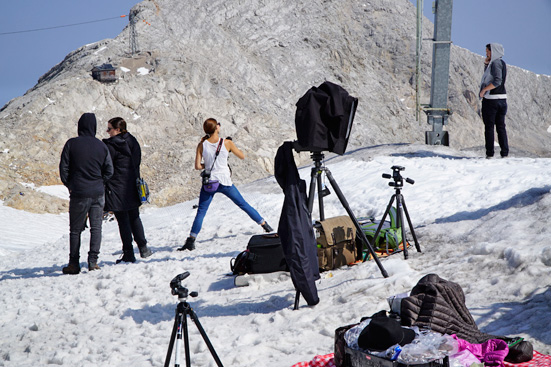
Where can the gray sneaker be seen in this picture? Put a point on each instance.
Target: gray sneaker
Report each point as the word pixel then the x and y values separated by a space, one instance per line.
pixel 145 252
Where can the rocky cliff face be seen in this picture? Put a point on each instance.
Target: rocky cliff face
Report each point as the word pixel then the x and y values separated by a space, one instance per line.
pixel 246 63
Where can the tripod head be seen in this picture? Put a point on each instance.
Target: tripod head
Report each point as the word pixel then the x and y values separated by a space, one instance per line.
pixel 397 177
pixel 178 289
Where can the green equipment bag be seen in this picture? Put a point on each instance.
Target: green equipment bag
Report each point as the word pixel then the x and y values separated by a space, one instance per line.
pixel 336 242
pixel 390 236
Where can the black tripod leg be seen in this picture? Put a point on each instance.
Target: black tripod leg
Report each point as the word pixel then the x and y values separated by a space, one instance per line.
pixel 411 226
pixel 320 198
pixel 205 337
pixel 186 341
pixel 172 338
pixel 312 190
pixel 297 300
pixel 401 224
pixel 344 203
pixel 380 226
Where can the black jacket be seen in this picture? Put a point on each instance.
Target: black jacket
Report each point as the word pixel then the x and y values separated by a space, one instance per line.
pixel 85 162
pixel 121 193
pixel 295 226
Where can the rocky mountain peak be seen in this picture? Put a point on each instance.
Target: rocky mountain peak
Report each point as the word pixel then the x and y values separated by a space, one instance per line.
pixel 247 63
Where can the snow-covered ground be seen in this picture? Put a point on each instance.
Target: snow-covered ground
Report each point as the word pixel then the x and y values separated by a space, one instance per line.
pixel 481 223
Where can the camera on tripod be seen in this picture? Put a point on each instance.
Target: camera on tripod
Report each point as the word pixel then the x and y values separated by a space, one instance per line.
pixel 178 289
pixel 397 177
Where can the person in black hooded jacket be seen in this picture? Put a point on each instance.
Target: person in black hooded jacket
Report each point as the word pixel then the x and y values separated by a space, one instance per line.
pixel 84 167
pixel 121 194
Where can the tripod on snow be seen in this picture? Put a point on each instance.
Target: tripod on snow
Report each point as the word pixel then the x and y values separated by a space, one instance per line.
pixel 316 179
pixel 400 208
pixel 180 324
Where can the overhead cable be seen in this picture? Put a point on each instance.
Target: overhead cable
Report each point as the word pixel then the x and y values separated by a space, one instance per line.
pixel 61 26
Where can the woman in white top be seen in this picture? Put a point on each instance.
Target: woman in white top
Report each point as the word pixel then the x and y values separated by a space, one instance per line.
pixel 220 171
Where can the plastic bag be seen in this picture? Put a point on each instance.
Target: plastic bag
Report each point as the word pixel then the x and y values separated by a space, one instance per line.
pixel 428 346
pixel 352 334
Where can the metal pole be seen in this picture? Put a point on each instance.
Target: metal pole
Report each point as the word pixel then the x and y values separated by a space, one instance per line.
pixel 418 60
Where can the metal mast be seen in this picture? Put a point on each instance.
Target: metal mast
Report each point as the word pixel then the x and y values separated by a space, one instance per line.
pixel 134 48
pixel 437 111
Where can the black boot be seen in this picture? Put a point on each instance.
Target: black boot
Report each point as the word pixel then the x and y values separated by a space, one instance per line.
pixel 189 245
pixel 267 227
pixel 127 258
pixel 72 268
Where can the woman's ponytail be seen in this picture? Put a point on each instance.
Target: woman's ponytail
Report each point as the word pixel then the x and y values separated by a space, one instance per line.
pixel 209 126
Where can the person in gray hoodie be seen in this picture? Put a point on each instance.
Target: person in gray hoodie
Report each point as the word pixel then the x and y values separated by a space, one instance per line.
pixel 84 168
pixel 494 99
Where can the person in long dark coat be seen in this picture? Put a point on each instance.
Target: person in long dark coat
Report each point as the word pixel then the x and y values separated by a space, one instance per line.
pixel 121 194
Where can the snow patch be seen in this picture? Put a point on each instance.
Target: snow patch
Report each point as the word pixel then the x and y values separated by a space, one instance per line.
pixel 143 71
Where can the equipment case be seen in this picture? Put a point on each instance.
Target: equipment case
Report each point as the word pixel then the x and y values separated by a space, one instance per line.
pixel 357 358
pixel 266 254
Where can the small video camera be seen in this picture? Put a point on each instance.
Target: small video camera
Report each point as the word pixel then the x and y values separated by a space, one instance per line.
pixel 205 174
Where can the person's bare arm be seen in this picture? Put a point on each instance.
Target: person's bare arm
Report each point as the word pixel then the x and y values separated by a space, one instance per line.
pixel 199 157
pixel 230 146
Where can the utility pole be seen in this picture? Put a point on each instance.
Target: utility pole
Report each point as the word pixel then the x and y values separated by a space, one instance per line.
pixel 437 111
pixel 133 35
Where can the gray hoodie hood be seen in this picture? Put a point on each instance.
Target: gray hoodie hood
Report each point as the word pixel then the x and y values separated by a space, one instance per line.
pixel 497 53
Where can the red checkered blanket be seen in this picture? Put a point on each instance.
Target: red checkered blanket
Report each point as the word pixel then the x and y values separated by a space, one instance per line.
pixel 539 360
pixel 318 361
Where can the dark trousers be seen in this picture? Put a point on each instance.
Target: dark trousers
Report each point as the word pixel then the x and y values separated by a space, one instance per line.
pixel 493 114
pixel 79 209
pixel 130 228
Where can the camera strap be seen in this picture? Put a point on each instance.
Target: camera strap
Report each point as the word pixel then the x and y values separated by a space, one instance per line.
pixel 217 152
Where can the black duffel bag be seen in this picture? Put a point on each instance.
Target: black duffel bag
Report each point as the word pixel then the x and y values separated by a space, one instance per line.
pixel 264 254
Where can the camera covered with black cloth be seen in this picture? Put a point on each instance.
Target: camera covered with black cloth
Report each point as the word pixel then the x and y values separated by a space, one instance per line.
pixel 323 119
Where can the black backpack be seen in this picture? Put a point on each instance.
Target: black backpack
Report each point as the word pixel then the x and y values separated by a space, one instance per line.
pixel 241 264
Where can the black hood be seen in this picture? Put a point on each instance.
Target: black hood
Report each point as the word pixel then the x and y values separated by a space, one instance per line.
pixel 119 143
pixel 87 125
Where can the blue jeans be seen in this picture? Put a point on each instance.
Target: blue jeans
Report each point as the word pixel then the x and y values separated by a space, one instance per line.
pixel 205 198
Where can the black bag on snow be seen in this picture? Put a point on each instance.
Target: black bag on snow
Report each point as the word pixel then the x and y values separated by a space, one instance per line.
pixel 264 254
pixel 241 265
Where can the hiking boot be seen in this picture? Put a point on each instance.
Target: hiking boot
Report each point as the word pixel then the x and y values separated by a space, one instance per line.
pixel 145 252
pixel 189 245
pixel 71 269
pixel 267 227
pixel 126 258
pixel 93 266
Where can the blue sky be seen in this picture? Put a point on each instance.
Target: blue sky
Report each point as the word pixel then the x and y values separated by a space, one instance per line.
pixel 523 27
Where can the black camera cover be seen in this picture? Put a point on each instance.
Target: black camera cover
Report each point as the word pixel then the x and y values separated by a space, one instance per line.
pixel 324 117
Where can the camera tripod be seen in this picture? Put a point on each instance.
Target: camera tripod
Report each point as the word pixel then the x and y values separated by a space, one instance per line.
pixel 317 170
pixel 401 208
pixel 180 327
